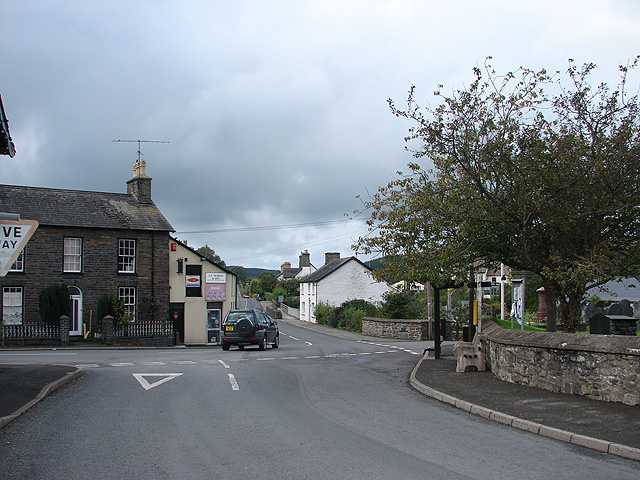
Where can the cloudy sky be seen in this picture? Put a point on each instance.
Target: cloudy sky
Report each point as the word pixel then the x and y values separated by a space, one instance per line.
pixel 275 111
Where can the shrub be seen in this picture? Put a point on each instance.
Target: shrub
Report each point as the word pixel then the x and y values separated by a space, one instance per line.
pixel 399 305
pixel 347 316
pixel 111 305
pixel 53 302
pixel 323 312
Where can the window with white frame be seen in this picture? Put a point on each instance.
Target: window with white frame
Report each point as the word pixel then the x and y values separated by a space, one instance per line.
pixel 126 256
pixel 12 305
pixel 18 265
pixel 128 297
pixel 72 255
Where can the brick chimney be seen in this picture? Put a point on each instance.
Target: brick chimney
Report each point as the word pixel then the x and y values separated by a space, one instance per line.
pixel 284 265
pixel 331 257
pixel 140 185
pixel 305 259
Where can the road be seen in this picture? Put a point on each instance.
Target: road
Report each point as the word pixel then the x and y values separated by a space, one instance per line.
pixel 318 407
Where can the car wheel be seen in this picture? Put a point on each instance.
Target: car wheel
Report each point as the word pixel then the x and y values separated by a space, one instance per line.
pixel 276 344
pixel 263 343
pixel 244 327
pixel 225 346
pixel 240 347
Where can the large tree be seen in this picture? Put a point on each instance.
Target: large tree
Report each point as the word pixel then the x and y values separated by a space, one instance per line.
pixel 538 171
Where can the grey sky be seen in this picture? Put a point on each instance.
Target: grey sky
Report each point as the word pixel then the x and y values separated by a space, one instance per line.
pixel 275 111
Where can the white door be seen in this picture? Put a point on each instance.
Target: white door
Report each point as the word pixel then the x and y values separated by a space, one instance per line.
pixel 75 319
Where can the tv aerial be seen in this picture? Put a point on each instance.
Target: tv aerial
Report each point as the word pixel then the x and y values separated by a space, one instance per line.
pixel 139 142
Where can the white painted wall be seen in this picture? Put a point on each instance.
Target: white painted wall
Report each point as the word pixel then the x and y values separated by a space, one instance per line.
pixel 349 282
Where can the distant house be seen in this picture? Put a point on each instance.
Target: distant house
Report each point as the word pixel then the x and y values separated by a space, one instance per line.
pixel 95 243
pixel 304 268
pixel 202 293
pixel 337 281
pixel 403 285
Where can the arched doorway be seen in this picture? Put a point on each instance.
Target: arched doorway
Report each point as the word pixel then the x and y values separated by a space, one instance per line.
pixel 75 318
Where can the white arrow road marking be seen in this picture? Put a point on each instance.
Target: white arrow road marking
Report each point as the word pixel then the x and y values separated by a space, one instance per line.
pixel 145 383
pixel 308 343
pixel 233 382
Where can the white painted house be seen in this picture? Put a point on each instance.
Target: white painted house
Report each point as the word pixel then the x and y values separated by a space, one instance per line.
pixel 304 268
pixel 339 280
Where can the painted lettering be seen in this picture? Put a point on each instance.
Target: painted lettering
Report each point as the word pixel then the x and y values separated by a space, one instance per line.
pixel 17 231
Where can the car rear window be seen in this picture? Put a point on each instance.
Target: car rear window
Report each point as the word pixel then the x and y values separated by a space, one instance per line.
pixel 233 317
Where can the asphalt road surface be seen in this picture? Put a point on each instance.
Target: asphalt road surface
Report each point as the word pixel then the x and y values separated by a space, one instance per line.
pixel 318 407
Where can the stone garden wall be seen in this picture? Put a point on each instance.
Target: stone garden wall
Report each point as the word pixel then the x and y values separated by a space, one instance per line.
pixel 402 329
pixel 603 367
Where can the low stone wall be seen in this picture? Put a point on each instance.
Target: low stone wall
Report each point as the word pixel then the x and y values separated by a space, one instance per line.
pixel 603 367
pixel 402 329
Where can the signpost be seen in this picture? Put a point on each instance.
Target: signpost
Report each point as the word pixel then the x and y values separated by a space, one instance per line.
pixel 14 235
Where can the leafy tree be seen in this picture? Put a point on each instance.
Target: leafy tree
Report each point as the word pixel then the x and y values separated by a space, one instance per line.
pixel 544 183
pixel 210 254
pixel 268 281
pixel 53 302
pixel 402 305
pixel 240 273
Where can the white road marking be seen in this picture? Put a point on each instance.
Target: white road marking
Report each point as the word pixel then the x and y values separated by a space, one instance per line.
pixel 88 365
pixel 37 354
pixel 225 365
pixel 294 338
pixel 233 382
pixel 288 358
pixel 265 358
pixel 123 364
pixel 148 386
pixel 313 356
pixel 309 343
pixel 148 364
pixel 184 362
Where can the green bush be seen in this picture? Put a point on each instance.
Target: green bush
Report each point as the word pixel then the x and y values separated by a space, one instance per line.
pixel 111 305
pixel 402 305
pixel 347 316
pixel 323 312
pixel 53 302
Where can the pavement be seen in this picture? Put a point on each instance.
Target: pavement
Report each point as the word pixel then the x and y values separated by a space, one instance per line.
pixel 603 426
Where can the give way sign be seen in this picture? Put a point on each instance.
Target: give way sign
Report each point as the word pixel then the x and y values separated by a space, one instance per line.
pixel 14 235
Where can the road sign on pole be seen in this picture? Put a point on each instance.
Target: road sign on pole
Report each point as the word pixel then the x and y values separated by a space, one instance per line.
pixel 14 235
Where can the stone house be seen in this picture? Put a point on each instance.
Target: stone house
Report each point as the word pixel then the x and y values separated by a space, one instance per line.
pixel 201 294
pixel 96 243
pixel 337 281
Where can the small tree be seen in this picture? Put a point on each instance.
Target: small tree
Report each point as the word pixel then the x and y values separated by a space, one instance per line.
pixel 402 305
pixel 53 302
pixel 111 305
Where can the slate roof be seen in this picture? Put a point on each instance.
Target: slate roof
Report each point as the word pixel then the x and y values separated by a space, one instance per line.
pixel 328 269
pixel 77 208
pixel 289 273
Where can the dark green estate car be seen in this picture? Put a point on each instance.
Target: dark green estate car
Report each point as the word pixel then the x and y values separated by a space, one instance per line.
pixel 249 327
